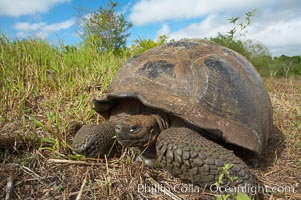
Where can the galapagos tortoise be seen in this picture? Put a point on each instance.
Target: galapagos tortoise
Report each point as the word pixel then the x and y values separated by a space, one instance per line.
pixel 179 104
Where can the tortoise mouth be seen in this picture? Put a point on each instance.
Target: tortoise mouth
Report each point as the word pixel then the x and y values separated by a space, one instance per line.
pixel 134 143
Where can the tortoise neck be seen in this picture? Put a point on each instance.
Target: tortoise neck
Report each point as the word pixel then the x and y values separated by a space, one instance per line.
pixel 162 121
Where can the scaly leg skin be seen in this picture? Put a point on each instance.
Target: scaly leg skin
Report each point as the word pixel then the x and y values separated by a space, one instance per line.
pixel 95 140
pixel 187 155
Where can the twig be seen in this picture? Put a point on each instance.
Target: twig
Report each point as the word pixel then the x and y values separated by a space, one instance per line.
pixel 266 174
pixel 9 187
pixel 82 187
pixel 8 167
pixel 15 142
pixel 40 178
pixel 107 165
pixel 74 162
pixel 295 195
pixel 166 192
pixel 28 171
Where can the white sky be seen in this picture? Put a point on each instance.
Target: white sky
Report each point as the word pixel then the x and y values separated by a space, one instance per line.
pixel 277 23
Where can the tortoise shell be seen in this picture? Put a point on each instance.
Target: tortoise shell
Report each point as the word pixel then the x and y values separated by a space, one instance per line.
pixel 209 86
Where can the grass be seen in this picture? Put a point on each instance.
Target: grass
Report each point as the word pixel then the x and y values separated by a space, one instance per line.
pixel 45 91
pixel 45 87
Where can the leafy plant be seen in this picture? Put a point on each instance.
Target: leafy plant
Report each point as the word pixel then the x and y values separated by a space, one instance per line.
pixel 225 174
pixel 240 26
pixel 105 29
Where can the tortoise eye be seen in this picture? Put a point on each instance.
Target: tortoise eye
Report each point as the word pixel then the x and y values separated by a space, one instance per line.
pixel 134 128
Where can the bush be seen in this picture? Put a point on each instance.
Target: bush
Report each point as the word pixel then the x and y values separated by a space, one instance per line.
pixel 142 45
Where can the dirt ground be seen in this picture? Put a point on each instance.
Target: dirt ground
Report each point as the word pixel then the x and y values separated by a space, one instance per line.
pixel 35 171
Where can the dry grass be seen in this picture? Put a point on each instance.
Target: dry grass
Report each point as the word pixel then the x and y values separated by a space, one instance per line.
pixel 46 170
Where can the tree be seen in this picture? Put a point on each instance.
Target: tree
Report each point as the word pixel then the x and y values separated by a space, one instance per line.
pixel 105 29
pixel 289 64
pixel 236 45
pixel 260 57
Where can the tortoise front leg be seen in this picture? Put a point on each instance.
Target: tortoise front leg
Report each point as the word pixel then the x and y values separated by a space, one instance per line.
pixel 95 140
pixel 187 155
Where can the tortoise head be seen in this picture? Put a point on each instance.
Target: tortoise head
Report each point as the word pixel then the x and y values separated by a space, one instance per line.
pixel 137 131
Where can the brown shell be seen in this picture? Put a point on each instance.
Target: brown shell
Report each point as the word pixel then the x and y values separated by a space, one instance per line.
pixel 206 84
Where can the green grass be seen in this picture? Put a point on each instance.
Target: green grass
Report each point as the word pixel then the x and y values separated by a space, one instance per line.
pixel 45 87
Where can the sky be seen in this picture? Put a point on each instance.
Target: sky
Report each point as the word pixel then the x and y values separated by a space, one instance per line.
pixel 276 24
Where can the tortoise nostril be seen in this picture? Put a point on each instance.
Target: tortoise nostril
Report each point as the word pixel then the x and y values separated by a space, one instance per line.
pixel 118 128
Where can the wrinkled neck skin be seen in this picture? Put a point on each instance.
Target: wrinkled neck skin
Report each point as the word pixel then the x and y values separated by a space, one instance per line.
pixel 162 120
pixel 161 124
